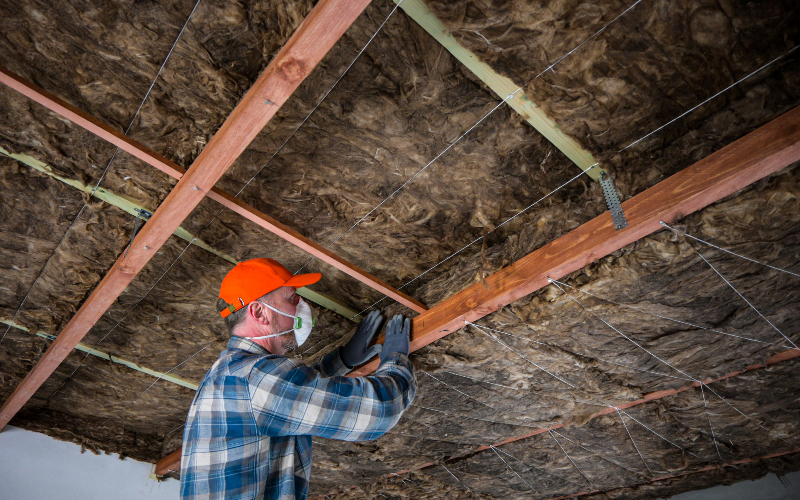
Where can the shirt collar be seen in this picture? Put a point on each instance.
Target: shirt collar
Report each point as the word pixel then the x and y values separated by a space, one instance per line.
pixel 247 345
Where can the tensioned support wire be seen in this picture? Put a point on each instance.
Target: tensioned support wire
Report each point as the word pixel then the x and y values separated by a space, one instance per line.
pixel 476 240
pixel 316 106
pixel 734 84
pixel 420 171
pixel 274 154
pixel 601 402
pixel 697 382
pixel 703 386
pixel 120 322
pixel 105 171
pixel 794 346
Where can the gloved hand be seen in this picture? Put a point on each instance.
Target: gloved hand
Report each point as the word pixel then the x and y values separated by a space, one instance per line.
pixel 355 351
pixel 397 337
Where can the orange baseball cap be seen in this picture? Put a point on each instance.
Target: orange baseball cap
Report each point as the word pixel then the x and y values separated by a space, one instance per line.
pixel 254 278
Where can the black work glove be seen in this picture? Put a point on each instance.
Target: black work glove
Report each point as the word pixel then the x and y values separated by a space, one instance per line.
pixel 355 351
pixel 397 337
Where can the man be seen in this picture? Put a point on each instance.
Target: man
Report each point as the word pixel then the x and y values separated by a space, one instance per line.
pixel 248 433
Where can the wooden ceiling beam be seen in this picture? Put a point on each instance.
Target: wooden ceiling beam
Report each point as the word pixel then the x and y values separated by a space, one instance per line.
pixel 764 151
pixel 88 122
pixel 315 36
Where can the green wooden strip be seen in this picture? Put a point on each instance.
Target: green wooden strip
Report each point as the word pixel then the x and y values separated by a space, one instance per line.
pixel 502 86
pixel 329 303
pixel 130 206
pixel 114 359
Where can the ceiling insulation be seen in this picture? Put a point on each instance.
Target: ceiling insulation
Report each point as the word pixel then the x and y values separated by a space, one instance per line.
pixel 404 101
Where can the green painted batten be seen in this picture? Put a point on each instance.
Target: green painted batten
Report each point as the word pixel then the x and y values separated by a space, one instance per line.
pixel 113 359
pixel 503 87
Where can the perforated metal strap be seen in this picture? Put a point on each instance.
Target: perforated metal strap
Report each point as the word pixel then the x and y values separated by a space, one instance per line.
pixel 612 200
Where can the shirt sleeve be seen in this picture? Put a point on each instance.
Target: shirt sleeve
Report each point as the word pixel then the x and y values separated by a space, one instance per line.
pixel 331 365
pixel 302 401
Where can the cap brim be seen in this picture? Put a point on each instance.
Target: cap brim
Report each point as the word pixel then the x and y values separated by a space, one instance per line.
pixel 302 280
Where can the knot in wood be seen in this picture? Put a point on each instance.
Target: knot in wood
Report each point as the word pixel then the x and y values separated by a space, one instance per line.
pixel 292 69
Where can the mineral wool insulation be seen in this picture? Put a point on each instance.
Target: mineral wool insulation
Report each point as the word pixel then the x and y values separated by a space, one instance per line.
pixel 403 102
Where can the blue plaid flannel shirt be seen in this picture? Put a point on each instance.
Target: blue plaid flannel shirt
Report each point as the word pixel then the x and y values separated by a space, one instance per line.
pixel 248 433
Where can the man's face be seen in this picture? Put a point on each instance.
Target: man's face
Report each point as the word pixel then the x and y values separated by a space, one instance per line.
pixel 285 299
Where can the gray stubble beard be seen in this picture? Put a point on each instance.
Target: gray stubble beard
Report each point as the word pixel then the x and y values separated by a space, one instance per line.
pixel 289 342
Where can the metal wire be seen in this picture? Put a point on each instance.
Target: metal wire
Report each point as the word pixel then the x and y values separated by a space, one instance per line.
pixel 710 98
pixel 622 334
pixel 526 391
pixel 619 412
pixel 117 324
pixel 708 416
pixel 666 317
pixel 570 459
pixel 512 470
pixel 600 455
pixel 323 98
pixel 479 238
pixel 602 360
pixel 537 468
pixel 134 400
pixel 794 346
pixel 454 477
pixel 733 253
pixel 460 392
pixel 701 383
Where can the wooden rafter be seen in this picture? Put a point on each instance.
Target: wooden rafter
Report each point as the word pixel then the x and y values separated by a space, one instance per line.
pixel 315 36
pixel 756 155
pixel 88 122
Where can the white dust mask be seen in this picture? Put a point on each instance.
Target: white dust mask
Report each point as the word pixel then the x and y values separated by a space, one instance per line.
pixel 303 322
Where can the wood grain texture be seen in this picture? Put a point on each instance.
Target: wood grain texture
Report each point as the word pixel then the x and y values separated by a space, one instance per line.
pixel 754 156
pixel 314 37
pixel 172 169
pixel 170 463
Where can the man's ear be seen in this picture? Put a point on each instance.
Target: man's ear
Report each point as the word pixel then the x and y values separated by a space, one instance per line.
pixel 258 312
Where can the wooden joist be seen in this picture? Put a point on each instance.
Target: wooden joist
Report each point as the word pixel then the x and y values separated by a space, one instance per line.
pixel 315 36
pixel 766 150
pixel 174 170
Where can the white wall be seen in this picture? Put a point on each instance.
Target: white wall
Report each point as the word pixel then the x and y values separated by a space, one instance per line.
pixel 35 467
pixel 768 487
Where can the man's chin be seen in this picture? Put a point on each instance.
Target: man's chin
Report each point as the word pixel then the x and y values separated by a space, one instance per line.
pixel 289 345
